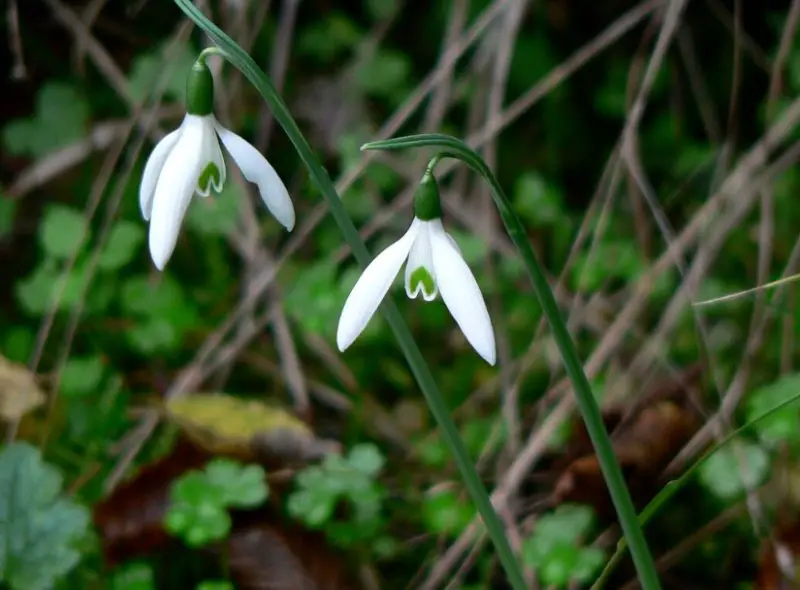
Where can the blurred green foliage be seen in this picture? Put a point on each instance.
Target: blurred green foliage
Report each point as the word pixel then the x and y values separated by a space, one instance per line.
pixel 133 576
pixel 61 118
pixel 351 479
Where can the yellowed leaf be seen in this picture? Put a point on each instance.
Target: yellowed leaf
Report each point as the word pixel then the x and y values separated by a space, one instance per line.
pixel 227 425
pixel 19 390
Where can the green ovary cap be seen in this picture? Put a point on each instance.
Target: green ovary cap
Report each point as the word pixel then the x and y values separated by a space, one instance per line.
pixel 200 90
pixel 427 205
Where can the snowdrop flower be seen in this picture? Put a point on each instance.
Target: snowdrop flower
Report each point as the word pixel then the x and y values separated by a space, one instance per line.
pixel 190 160
pixel 433 265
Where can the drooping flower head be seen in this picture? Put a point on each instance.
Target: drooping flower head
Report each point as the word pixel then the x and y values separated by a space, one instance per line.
pixel 434 266
pixel 190 160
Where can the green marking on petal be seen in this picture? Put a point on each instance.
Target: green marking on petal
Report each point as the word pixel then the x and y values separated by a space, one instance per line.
pixel 210 176
pixel 421 277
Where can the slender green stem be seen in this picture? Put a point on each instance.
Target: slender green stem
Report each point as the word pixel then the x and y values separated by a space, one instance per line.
pixel 209 51
pixel 454 148
pixel 239 58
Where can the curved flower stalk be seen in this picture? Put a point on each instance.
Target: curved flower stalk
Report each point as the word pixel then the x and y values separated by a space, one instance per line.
pixel 434 266
pixel 450 147
pixel 190 160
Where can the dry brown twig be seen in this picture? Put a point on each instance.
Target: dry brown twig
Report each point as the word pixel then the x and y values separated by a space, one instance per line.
pixel 18 70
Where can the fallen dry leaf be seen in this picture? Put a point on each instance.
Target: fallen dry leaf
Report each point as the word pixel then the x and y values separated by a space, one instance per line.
pixel 19 391
pixel 249 430
pixel 645 440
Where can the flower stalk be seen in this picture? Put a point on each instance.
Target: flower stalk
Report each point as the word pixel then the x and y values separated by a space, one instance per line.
pixel 451 147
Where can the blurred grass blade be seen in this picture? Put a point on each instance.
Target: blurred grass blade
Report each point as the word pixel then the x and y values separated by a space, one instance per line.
pixel 451 147
pixel 239 58
pixel 738 294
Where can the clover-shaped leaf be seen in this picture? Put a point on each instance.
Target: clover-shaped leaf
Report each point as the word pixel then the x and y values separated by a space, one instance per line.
pixel 162 312
pixel 319 488
pixel 60 118
pixel 38 527
pixel 366 458
pixel 780 425
pixel 62 231
pixel 313 506
pixel 153 335
pixel 143 297
pixel 123 241
pixel 732 470
pixel 314 300
pixel 566 563
pixel 317 494
pixel 198 511
pixel 444 512
pixel 554 549
pixel 81 376
pixel 48 286
pixel 590 561
pixel 134 576
pixel 242 486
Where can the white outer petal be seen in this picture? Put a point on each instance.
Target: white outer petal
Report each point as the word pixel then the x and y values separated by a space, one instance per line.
pixel 210 152
pixel 152 169
pixel 371 288
pixel 174 190
pixel 461 294
pixel 256 169
pixel 420 255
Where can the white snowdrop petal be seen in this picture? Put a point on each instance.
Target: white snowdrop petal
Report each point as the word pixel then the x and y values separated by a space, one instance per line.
pixel 256 169
pixel 371 288
pixel 152 169
pixel 173 193
pixel 455 244
pixel 210 153
pixel 461 294
pixel 420 258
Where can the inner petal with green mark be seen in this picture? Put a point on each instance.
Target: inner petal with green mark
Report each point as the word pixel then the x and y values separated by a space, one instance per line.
pixel 210 176
pixel 421 278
